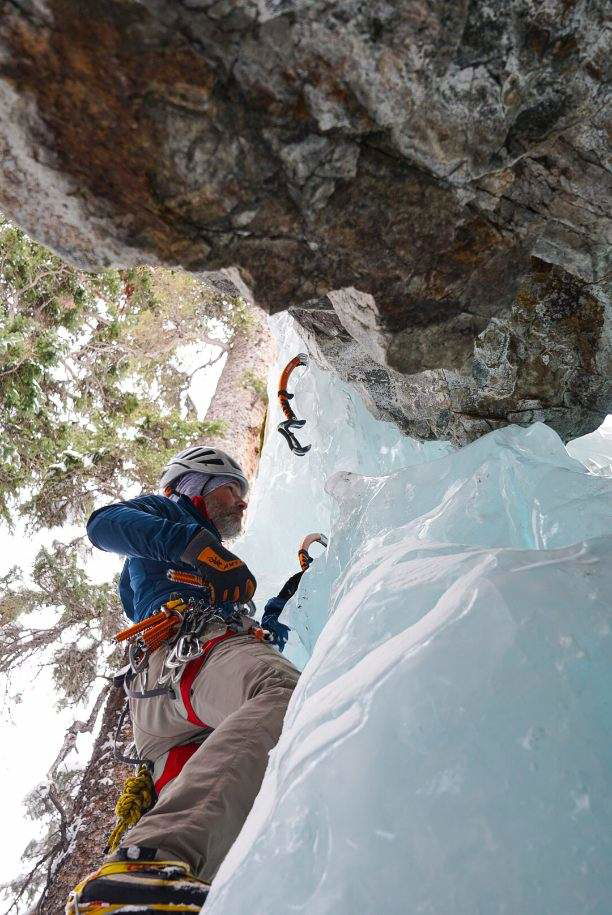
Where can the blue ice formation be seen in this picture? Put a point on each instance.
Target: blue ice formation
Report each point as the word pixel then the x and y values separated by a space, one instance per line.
pixel 448 750
pixel 595 450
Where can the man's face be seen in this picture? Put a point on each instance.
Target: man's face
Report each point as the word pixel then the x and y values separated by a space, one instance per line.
pixel 225 506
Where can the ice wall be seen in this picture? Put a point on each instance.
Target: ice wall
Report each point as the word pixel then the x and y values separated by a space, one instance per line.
pixel 289 500
pixel 595 450
pixel 448 749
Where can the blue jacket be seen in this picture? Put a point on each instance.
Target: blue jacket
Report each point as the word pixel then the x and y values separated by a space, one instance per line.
pixel 152 532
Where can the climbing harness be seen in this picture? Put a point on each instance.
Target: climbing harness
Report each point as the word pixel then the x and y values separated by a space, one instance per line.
pixel 137 796
pixel 292 422
pixel 187 645
pixel 180 625
pixel 304 557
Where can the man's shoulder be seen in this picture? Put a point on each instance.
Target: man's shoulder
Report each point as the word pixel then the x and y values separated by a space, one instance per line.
pixel 176 510
pixel 161 506
pixel 150 503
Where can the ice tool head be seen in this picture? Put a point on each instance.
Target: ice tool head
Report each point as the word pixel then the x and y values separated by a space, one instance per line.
pixel 291 422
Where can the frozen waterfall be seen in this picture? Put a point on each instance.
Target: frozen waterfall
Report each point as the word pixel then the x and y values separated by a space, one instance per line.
pixel 449 747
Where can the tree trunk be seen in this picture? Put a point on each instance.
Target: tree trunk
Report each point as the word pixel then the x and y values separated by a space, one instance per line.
pixel 240 397
pixel 94 812
pixel 240 401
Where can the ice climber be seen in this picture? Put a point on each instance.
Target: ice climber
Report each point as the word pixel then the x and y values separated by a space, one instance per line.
pixel 207 733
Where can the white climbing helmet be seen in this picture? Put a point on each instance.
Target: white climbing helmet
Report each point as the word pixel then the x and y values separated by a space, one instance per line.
pixel 202 459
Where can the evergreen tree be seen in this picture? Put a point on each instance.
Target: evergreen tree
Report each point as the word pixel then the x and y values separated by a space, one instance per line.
pixel 93 401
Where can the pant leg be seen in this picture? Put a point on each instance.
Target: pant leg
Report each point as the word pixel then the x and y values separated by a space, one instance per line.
pixel 159 723
pixel 242 691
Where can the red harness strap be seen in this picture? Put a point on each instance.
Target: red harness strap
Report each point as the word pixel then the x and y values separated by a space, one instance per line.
pixel 177 757
pixel 192 669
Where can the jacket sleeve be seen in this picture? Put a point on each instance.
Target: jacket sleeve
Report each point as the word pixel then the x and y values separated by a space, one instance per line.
pixel 133 529
pixel 274 607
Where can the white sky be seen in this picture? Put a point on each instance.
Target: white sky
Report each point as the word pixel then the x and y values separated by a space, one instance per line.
pixel 31 732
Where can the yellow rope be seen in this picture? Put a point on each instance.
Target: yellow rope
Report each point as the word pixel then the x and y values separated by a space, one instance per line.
pixel 136 798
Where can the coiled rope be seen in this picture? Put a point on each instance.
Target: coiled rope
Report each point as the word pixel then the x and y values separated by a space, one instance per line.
pixel 137 796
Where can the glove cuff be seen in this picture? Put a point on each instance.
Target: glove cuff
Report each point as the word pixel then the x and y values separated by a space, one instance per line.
pixel 202 541
pixel 289 588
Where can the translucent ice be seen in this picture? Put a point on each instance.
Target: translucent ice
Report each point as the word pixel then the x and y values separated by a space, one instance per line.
pixel 288 499
pixel 449 746
pixel 595 450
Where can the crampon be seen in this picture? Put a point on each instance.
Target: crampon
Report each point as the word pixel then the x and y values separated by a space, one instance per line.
pixel 138 888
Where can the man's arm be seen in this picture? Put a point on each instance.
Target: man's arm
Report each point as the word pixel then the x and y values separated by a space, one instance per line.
pixel 139 528
pixel 130 528
pixel 275 607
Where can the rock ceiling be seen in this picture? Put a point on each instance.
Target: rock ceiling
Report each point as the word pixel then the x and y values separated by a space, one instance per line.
pixel 424 183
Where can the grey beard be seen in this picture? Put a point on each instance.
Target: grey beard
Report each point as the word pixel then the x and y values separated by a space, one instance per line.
pixel 229 526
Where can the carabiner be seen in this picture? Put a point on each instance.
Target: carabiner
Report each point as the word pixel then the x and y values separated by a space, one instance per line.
pixel 138 664
pixel 188 648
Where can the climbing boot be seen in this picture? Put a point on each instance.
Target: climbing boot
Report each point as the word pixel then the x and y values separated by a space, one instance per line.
pixel 138 888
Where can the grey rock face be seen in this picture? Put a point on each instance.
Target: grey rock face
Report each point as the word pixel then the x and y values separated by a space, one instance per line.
pixel 549 359
pixel 418 153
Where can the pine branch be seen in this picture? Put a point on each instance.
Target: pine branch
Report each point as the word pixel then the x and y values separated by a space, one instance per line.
pixel 206 365
pixel 26 882
pixel 79 727
pixel 18 646
pixel 53 795
pixel 63 825
pixel 213 341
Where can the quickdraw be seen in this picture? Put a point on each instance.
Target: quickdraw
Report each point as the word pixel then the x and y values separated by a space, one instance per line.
pixel 156 629
pixel 179 625
pixel 304 556
pixel 292 422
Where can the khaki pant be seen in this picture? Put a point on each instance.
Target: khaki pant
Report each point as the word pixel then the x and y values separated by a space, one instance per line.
pixel 236 704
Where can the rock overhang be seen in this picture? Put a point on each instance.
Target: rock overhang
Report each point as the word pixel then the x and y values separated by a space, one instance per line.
pixel 445 161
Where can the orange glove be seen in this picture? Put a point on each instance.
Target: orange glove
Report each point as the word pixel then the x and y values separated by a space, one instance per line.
pixel 227 576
